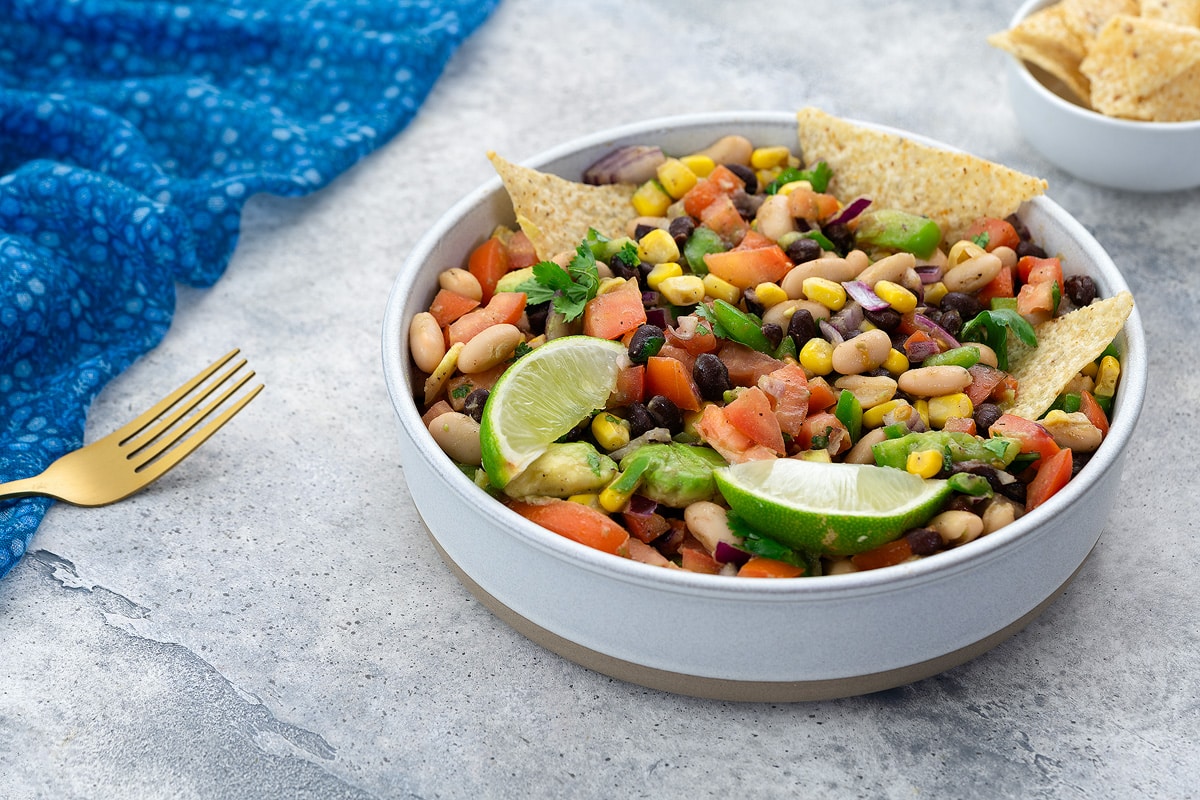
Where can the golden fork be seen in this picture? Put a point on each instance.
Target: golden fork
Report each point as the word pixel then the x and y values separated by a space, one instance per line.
pixel 123 462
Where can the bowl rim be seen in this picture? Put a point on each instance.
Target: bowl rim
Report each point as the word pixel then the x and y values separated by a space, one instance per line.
pixel 896 578
pixel 1025 76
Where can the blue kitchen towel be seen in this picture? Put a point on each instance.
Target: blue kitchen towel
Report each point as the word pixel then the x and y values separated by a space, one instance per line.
pixel 131 135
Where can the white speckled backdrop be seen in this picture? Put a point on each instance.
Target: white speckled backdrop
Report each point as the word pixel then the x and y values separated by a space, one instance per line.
pixel 270 619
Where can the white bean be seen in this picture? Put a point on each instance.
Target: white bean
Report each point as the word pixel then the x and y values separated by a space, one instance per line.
pixel 1000 511
pixel 773 218
pixel 458 436
pixel 458 280
pixel 956 526
pixel 731 149
pixel 863 353
pixel 709 523
pixel 935 381
pixel 489 347
pixel 871 390
pixel 837 270
pixel 889 268
pixel 972 274
pixel 426 342
pixel 862 453
pixel 781 313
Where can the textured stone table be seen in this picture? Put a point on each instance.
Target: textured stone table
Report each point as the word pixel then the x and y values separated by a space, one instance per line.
pixel 271 620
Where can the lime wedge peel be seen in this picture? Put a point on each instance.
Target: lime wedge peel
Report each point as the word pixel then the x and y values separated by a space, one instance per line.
pixel 543 396
pixel 829 509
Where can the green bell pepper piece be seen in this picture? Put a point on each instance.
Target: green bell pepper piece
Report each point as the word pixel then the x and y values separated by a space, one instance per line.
pixel 893 229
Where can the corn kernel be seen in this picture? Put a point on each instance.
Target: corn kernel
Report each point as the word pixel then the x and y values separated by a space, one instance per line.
pixel 612 500
pixel 1090 370
pixel 651 199
pixel 934 293
pixel 792 186
pixel 657 246
pixel 962 250
pixel 873 417
pixel 608 284
pixel 1106 377
pixel 922 409
pixel 769 157
pixel 815 455
pixel 720 289
pixel 816 356
pixel 610 431
pixel 949 405
pixel 702 166
pixel 824 291
pixel 769 294
pixel 896 296
pixel 682 290
pixel 925 463
pixel 591 500
pixel 896 362
pixel 675 177
pixel 661 272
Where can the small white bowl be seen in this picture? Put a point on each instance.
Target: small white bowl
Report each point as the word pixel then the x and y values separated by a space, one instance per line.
pixel 1107 151
pixel 743 638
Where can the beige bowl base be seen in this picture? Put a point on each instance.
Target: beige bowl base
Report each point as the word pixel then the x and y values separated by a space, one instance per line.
pixel 735 690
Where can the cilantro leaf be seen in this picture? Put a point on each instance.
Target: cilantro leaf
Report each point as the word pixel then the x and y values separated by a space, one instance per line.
pixel 983 238
pixel 756 544
pixel 568 290
pixel 992 327
pixel 705 312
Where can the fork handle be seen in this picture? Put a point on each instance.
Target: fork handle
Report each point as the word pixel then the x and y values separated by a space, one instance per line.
pixel 25 487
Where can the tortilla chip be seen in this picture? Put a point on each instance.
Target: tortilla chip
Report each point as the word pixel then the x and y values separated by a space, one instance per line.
pixel 1065 345
pixel 556 213
pixel 951 188
pixel 1046 40
pixel 1133 60
pixel 1179 12
pixel 1087 17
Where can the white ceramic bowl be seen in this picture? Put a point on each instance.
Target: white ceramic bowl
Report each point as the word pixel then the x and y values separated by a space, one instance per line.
pixel 1117 153
pixel 743 638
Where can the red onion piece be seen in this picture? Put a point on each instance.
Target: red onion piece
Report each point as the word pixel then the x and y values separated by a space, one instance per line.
pixel 641 505
pixel 657 316
pixel 726 553
pixel 635 163
pixel 865 296
pixel 685 327
pixel 852 210
pixel 830 333
pixel 916 352
pixel 929 274
pixel 936 331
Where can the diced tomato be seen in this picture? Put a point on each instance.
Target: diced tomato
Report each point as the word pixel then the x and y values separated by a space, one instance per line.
pixel 1036 298
pixel 646 527
pixel 959 425
pixel 435 411
pixel 1003 285
pixel 1053 473
pixel 671 379
pixel 999 233
pixel 827 426
pixel 684 357
pixel 984 380
pixel 721 181
pixel 1033 437
pixel 520 251
pixel 749 265
pixel 751 413
pixel 640 551
pixel 631 386
pixel 810 205
pixel 1093 411
pixel 458 387
pixel 489 263
pixel 746 365
pixel 886 555
pixel 733 445
pixel 503 307
pixel 762 567
pixel 614 313
pixel 448 306
pixel 788 389
pixel 702 340
pixel 722 216
pixel 1032 269
pixel 820 394
pixel 578 522
pixel 694 558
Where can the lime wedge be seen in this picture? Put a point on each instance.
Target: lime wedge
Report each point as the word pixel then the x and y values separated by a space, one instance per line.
pixel 829 509
pixel 542 396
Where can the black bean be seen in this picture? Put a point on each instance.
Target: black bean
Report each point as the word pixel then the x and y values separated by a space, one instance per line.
pixel 579 432
pixel 746 204
pixel 841 237
pixel 802 250
pixel 680 229
pixel 952 321
pixel 474 403
pixel 802 327
pixel 1018 226
pixel 640 420
pixel 711 376
pixel 774 333
pixel 641 230
pixel 985 415
pixel 536 313
pixel 665 413
pixel 747 175
pixel 1078 462
pixel 1014 491
pixel 1030 249
pixel 1081 289
pixel 646 341
pixel 923 541
pixel 885 318
pixel 966 305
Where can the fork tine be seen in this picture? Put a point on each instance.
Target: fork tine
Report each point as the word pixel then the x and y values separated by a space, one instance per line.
pixel 152 468
pixel 162 437
pixel 132 428
pixel 183 406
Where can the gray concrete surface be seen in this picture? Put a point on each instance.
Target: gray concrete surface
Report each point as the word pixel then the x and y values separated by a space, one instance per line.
pixel 270 620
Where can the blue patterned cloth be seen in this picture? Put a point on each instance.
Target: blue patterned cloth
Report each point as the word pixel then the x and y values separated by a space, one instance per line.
pixel 131 135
